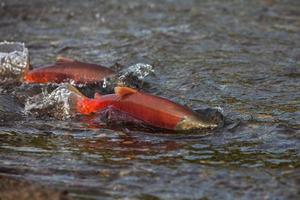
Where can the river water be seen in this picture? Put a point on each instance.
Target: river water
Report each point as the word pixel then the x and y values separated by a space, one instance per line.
pixel 242 57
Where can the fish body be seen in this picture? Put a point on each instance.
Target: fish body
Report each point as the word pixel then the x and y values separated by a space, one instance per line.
pixel 153 110
pixel 68 70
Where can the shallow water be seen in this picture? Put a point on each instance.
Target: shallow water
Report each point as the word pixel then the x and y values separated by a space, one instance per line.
pixel 240 56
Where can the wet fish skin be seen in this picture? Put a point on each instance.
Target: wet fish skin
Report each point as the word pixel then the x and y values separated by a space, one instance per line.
pixel 153 110
pixel 68 70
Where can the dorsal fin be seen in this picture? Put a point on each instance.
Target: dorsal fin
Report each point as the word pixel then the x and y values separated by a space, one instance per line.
pixel 62 59
pixel 97 95
pixel 124 91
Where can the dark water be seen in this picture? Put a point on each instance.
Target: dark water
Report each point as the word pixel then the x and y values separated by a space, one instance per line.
pixel 240 56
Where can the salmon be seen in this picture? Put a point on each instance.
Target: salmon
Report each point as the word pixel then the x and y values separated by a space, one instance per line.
pixel 152 110
pixel 68 70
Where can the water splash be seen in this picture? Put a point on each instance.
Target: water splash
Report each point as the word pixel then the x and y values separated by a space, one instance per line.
pixel 14 60
pixel 54 104
pixel 132 76
pixel 57 102
pixel 139 70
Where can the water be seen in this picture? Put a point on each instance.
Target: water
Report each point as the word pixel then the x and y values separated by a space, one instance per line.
pixel 240 56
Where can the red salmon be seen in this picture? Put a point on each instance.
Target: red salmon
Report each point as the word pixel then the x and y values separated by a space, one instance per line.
pixel 68 70
pixel 153 110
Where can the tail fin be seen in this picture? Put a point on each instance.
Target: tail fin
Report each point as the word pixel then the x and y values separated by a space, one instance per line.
pixel 74 90
pixel 25 75
pixel 79 103
pixel 27 68
pixel 76 99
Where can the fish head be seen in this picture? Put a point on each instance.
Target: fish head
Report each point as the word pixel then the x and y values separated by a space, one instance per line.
pixel 201 119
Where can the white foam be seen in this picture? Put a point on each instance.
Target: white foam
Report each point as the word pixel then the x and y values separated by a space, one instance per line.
pixel 58 100
pixel 14 59
pixel 140 70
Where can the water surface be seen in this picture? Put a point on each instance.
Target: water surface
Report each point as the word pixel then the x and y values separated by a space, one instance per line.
pixel 240 56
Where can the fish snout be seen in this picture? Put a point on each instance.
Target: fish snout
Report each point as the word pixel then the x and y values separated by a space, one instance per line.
pixel 195 122
pixel 191 122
